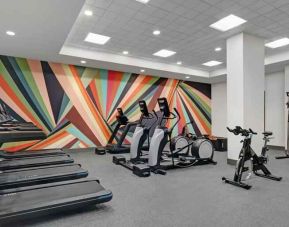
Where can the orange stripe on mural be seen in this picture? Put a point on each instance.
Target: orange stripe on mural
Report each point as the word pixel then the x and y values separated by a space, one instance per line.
pixel 17 101
pixel 89 103
pixel 19 147
pixel 50 140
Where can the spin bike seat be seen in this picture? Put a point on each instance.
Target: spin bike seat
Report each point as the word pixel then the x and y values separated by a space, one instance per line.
pixel 267 133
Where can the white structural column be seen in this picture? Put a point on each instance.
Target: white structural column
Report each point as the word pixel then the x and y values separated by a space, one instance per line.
pixel 286 89
pixel 245 89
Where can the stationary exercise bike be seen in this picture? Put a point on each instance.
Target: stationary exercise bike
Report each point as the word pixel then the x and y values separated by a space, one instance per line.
pixel 286 150
pixel 247 154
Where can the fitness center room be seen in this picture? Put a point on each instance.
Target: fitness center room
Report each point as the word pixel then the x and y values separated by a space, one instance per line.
pixel 144 113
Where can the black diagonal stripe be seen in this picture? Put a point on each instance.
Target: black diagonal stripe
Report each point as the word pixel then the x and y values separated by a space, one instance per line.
pixel 13 75
pixel 54 89
pixel 198 105
pixel 192 120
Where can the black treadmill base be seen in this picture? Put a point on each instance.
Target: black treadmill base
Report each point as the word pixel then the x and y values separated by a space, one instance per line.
pixel 19 163
pixel 38 200
pixel 34 153
pixel 55 210
pixel 33 176
pixel 118 150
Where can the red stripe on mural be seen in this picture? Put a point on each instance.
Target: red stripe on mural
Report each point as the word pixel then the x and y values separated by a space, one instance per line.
pixel 114 79
pixel 156 95
pixel 75 118
pixel 71 143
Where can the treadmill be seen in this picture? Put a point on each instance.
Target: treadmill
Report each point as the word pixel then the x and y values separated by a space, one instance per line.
pixel 41 175
pixel 26 162
pixel 18 163
pixel 6 132
pixel 122 120
pixel 32 153
pixel 7 120
pixel 31 201
pixel 121 148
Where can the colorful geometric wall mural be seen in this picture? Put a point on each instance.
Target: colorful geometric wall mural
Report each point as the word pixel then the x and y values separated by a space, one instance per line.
pixel 76 106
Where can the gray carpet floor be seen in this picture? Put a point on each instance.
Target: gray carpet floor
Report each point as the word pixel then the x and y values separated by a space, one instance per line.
pixel 193 196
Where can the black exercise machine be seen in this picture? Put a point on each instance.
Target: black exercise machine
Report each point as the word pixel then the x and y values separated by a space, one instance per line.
pixel 40 175
pixel 32 153
pixel 140 136
pixel 286 149
pixel 190 154
pixel 7 122
pixel 38 191
pixel 247 154
pixel 28 161
pixel 122 120
pixel 31 201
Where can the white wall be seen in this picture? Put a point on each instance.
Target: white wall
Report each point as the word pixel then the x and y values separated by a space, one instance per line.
pixel 274 105
pixel 219 109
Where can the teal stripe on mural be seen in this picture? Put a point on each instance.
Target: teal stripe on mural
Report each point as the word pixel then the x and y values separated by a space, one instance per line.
pixel 78 134
pixel 63 109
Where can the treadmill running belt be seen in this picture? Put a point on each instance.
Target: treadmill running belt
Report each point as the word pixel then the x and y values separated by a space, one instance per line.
pixel 55 197
pixel 15 136
pixel 34 162
pixel 32 176
pixel 32 153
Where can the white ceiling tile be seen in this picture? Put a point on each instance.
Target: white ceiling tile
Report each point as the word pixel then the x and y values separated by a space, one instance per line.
pixel 184 26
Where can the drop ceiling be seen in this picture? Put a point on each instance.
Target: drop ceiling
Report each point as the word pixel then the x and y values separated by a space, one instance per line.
pixel 55 30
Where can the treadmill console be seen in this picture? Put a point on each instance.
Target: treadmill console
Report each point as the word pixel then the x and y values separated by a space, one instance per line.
pixel 164 106
pixel 119 111
pixel 143 108
pixel 121 118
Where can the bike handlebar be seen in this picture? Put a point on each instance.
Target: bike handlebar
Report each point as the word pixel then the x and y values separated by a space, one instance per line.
pixel 244 132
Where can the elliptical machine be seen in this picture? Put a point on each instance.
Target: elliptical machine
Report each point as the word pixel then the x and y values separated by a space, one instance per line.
pixel 122 120
pixel 140 136
pixel 185 156
pixel 247 154
pixel 286 150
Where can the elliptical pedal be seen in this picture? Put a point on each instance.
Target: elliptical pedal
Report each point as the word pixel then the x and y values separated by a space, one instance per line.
pixel 235 183
pixel 141 170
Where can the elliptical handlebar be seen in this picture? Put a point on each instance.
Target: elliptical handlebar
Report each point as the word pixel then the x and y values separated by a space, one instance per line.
pixel 177 115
